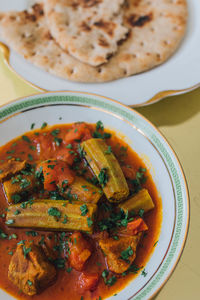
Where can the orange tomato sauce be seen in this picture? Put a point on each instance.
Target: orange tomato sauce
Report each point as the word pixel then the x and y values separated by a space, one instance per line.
pixel 65 287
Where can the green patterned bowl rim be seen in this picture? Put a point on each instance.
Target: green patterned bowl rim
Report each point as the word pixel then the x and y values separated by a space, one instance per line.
pixel 160 143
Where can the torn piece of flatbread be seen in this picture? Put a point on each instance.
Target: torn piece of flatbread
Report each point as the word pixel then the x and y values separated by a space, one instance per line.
pixel 157 28
pixel 89 30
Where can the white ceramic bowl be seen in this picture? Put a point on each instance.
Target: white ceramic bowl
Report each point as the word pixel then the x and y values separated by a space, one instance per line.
pixel 146 140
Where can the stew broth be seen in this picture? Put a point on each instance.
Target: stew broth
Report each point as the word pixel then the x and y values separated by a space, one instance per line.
pixel 41 146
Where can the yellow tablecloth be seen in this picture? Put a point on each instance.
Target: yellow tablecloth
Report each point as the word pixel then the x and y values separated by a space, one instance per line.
pixel 178 118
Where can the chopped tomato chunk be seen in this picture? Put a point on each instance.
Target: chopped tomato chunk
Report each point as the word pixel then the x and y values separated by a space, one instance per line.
pixel 88 282
pixel 44 145
pixel 56 173
pixel 136 226
pixel 80 251
pixel 79 131
pixel 66 154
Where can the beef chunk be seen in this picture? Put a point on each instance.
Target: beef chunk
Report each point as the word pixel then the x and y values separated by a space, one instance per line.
pixel 10 168
pixel 120 253
pixel 30 270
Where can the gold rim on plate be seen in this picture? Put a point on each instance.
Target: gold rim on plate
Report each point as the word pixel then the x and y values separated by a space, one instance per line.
pixel 157 97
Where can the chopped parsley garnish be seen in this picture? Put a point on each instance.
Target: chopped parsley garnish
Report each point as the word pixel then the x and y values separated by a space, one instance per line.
pixel 10 253
pixel 44 125
pixel 31 233
pixel 12 236
pixel 26 139
pixel 29 282
pixel 89 221
pixel 139 180
pixel 26 251
pixel 54 212
pixel 32 147
pixel 3 235
pixel 109 150
pixel 69 146
pixel 103 177
pixel 16 198
pixel 10 152
pixel 114 220
pixel 141 212
pixel 108 281
pixel 57 141
pixel 55 132
pixel 81 151
pixel 155 243
pixel 84 210
pixel 59 263
pixel 32 125
pixel 126 254
pixel 9 222
pixel 99 125
pixel 65 219
pixel 30 157
pixel 99 135
pixel 17 212
pixel 51 166
pixel 41 242
pixel 144 273
pixel 69 270
pixel 111 281
pixel 24 183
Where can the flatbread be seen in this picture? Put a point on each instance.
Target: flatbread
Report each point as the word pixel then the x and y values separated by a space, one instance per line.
pixel 156 30
pixel 89 30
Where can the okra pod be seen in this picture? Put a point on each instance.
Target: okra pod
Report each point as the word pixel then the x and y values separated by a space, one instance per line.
pixel 107 169
pixel 141 200
pixel 83 190
pixel 58 215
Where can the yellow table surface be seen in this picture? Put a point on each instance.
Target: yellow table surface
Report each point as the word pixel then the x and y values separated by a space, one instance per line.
pixel 178 118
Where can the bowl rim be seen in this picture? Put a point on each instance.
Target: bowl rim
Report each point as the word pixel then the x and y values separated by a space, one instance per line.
pixel 187 217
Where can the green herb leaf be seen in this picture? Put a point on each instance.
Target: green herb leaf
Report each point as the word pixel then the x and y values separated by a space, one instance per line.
pixel 89 221
pixel 29 282
pixel 54 212
pixel 57 141
pixel 126 254
pixel 65 219
pixel 44 125
pixel 84 210
pixel 103 177
pixel 26 139
pixel 109 151
pixel 55 132
pixel 141 213
pixel 99 125
pixel 26 251
pixel 144 273
pixel 9 222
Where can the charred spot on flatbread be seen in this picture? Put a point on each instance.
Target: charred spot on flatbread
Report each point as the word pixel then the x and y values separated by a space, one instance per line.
pixel 97 24
pixel 103 43
pixel 139 21
pixel 85 27
pixel 108 27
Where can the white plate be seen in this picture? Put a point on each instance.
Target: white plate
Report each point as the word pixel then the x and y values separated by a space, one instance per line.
pixel 179 74
pixel 146 140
